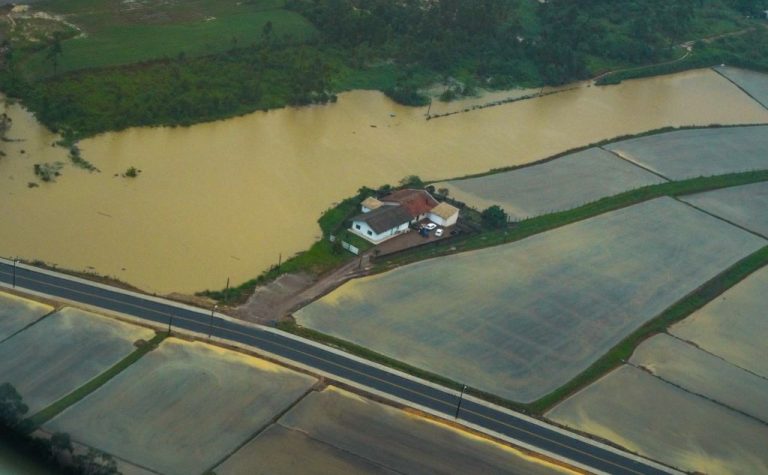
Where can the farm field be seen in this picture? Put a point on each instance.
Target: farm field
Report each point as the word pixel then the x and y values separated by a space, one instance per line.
pixel 196 402
pixel 698 152
pixel 116 32
pixel 702 373
pixel 334 431
pixel 57 355
pixel 743 205
pixel 557 185
pixel 642 413
pixel 734 326
pixel 16 313
pixel 520 320
pixel 754 83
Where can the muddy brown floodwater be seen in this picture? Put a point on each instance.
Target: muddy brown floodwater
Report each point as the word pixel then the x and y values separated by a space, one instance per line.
pixel 225 199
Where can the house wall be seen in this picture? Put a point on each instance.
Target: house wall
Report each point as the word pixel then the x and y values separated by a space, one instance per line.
pixel 362 229
pixel 444 222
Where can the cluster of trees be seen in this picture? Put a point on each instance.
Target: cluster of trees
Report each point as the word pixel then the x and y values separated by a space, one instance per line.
pixel 178 91
pixel 57 451
pixel 482 43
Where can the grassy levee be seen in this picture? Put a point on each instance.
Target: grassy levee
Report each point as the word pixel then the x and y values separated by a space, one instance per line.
pixel 677 312
pixel 57 407
pixel 539 224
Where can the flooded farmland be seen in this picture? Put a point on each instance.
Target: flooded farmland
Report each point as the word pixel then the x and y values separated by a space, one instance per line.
pixel 226 199
pixel 672 426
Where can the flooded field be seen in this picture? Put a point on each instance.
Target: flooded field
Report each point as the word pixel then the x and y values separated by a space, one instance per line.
pixel 733 326
pixel 225 199
pixel 334 431
pixel 702 373
pixel 745 205
pixel 561 184
pixel 644 414
pixel 755 84
pixel 520 320
pixel 182 407
pixel 62 352
pixel 16 313
pixel 703 152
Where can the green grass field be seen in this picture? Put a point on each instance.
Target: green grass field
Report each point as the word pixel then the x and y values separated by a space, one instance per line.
pixel 115 34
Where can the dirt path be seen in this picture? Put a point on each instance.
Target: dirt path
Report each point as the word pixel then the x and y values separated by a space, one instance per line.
pixel 288 293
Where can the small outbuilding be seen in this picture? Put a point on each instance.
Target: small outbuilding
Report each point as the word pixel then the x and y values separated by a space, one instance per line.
pixel 444 215
pixel 369 204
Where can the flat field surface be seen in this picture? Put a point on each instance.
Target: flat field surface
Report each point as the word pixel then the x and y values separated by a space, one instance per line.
pixel 16 313
pixel 702 373
pixel 334 431
pixel 558 185
pixel 745 205
pixel 756 84
pixel 734 326
pixel 520 320
pixel 182 407
pixel 62 352
pixel 646 415
pixel 118 32
pixel 699 152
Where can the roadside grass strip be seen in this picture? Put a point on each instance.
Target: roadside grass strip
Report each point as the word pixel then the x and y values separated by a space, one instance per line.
pixel 677 312
pixel 75 396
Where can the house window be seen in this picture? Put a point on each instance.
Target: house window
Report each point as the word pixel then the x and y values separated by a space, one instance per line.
pixel 357 226
pixel 369 233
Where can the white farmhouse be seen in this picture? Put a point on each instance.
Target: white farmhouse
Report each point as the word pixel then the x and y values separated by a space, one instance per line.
pixel 382 223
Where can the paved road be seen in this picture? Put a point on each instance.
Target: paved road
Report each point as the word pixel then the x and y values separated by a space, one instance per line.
pixel 326 360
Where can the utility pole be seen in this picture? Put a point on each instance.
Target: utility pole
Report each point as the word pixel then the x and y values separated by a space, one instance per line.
pixel 226 292
pixel 210 329
pixel 461 397
pixel 15 261
pixel 170 322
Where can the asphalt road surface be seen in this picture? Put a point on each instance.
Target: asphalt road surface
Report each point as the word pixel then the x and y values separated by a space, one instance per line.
pixel 392 383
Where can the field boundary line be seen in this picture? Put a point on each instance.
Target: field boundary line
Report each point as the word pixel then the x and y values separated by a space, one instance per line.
pixel 269 423
pixel 709 213
pixel 696 345
pixel 715 69
pixel 89 387
pixel 635 163
pixel 694 393
pixel 37 320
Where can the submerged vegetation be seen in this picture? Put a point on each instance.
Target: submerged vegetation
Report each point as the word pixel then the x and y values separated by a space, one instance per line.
pixel 108 67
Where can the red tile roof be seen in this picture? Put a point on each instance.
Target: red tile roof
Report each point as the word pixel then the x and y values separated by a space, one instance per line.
pixel 416 202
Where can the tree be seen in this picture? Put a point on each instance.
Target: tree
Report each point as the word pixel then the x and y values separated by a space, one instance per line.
pixel 60 443
pixel 55 51
pixel 95 462
pixel 12 408
pixel 494 217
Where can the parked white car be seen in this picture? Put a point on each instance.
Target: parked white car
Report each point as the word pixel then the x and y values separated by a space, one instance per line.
pixel 439 232
pixel 431 226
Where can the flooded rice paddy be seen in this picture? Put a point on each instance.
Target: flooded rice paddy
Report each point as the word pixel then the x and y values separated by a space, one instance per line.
pixel 16 313
pixel 753 83
pixel 521 319
pixel 734 326
pixel 228 198
pixel 60 353
pixel 334 431
pixel 557 185
pixel 182 407
pixel 705 374
pixel 701 152
pixel 642 413
pixel 746 206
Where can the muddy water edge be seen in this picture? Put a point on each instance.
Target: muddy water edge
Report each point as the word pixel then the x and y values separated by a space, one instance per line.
pixel 225 199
